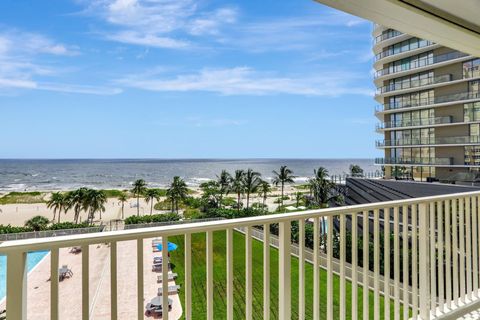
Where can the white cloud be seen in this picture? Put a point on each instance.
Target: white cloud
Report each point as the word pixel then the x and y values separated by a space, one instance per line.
pixel 21 43
pixel 247 81
pixel 21 66
pixel 297 33
pixel 149 40
pixel 83 89
pixel 159 23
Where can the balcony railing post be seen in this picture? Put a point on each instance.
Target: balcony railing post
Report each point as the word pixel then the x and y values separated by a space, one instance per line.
pixel 423 264
pixel 17 286
pixel 284 297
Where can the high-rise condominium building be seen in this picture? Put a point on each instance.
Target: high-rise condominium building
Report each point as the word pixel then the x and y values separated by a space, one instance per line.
pixel 429 108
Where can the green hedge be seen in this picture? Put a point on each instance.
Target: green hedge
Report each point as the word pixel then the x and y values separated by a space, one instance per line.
pixel 4 229
pixel 233 213
pixel 153 218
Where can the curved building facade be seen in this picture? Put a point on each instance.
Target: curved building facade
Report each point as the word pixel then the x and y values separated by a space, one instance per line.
pixel 428 106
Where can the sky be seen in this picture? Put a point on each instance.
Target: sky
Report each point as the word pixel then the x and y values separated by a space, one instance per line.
pixel 184 79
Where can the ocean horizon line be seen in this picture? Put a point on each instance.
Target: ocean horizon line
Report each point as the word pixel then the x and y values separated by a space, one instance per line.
pixel 197 158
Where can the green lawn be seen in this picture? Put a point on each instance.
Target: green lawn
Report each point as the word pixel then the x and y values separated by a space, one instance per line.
pixel 199 277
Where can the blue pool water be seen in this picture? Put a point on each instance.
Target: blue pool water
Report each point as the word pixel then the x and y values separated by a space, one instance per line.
pixel 33 258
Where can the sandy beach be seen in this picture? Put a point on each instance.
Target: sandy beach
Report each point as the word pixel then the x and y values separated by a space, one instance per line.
pixel 17 214
pixel 70 289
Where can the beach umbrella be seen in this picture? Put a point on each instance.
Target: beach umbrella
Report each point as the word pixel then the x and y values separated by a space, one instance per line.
pixel 170 247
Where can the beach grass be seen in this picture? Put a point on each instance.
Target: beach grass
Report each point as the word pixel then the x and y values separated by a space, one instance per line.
pixel 23 197
pixel 199 303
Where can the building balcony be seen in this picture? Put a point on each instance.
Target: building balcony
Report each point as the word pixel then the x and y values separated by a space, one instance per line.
pixel 435 141
pixel 415 123
pixel 415 161
pixel 419 249
pixel 386 36
pixel 428 102
pixel 414 84
pixel 420 63
pixel 391 52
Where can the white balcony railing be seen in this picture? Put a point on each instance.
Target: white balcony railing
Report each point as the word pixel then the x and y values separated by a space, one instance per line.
pixel 425 261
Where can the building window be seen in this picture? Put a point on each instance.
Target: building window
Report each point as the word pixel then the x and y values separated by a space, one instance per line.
pixel 471 112
pixel 474 86
pixel 471 68
pixel 472 155
pixel 412 99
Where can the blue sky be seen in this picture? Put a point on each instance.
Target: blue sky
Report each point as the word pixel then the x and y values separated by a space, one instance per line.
pixel 184 79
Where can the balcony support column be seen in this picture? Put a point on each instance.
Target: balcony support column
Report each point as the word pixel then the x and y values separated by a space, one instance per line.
pixel 17 285
pixel 423 265
pixel 284 296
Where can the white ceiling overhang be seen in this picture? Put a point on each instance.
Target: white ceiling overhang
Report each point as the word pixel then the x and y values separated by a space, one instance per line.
pixel 452 23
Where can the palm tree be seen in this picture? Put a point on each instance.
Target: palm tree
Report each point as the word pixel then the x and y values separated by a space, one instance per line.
pixel 177 191
pixel 139 188
pixel 224 180
pixel 356 171
pixel 264 189
pixel 238 185
pixel 58 203
pixel 251 181
pixel 285 175
pixel 150 196
pixel 298 197
pixel 95 201
pixel 122 199
pixel 76 200
pixel 321 187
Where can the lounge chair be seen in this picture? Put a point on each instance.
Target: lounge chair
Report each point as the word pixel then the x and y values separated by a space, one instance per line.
pixel 171 276
pixel 157 267
pixel 76 250
pixel 171 289
pixel 64 272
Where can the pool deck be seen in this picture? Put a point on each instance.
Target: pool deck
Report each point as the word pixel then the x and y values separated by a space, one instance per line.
pixel 70 289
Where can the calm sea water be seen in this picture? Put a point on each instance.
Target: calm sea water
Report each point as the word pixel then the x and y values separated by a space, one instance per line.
pixel 21 175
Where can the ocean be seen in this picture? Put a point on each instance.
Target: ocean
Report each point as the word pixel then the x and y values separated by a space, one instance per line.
pixel 49 175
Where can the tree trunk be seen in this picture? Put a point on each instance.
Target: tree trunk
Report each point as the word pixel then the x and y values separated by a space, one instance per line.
pixel 151 208
pixel 282 194
pixel 59 214
pixel 138 205
pixel 238 201
pixel 123 216
pixel 248 199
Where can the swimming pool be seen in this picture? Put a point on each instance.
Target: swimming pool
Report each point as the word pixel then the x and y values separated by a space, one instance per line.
pixel 33 258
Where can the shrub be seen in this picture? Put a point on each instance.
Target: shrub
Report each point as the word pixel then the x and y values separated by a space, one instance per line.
pixel 233 213
pixel 111 193
pixel 193 202
pixel 192 213
pixel 22 197
pixel 153 218
pixel 163 205
pixel 68 225
pixel 229 202
pixel 12 229
pixel 37 223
